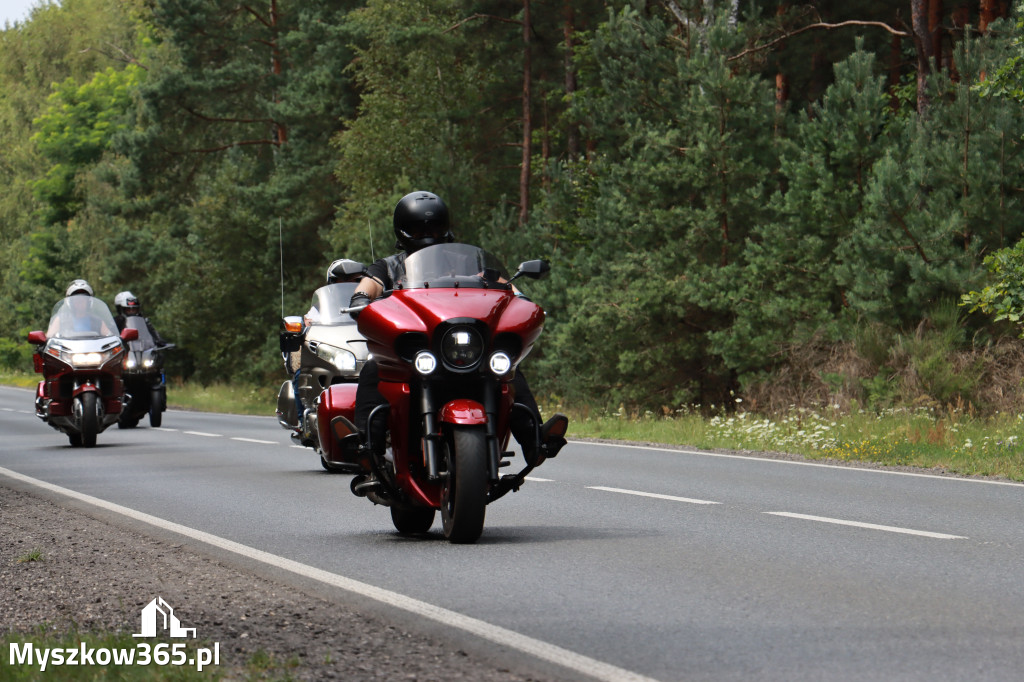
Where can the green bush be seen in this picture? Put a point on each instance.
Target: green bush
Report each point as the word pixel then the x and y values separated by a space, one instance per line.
pixel 15 354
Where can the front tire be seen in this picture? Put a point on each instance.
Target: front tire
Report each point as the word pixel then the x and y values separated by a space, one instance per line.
pixel 412 520
pixel 89 419
pixel 156 408
pixel 464 493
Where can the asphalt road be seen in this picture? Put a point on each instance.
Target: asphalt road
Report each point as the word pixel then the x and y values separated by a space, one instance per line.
pixel 672 565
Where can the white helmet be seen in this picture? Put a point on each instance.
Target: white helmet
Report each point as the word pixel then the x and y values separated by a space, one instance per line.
pixel 79 286
pixel 127 304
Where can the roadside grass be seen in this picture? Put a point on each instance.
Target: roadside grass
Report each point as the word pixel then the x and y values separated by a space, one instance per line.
pixel 947 440
pixel 254 400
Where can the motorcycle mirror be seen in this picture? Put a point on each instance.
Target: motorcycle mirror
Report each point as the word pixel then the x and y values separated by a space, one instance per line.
pixel 129 334
pixel 37 337
pixel 534 269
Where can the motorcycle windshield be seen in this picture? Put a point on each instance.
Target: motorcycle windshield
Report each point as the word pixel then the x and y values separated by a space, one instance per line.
pixel 81 317
pixel 145 340
pixel 331 299
pixel 452 266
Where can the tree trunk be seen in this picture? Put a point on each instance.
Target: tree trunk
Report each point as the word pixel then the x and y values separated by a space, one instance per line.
pixel 781 79
pixel 895 58
pixel 572 135
pixel 925 52
pixel 935 12
pixel 524 173
pixel 280 133
pixel 987 14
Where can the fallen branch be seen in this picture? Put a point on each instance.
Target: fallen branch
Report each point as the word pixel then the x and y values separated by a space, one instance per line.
pixel 829 27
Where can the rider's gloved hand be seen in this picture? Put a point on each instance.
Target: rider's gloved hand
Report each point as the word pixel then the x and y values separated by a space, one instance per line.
pixel 359 299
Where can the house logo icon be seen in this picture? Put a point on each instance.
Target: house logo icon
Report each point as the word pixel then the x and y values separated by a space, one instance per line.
pixel 158 615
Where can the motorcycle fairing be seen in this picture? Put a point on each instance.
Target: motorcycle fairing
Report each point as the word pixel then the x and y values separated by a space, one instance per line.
pixel 417 311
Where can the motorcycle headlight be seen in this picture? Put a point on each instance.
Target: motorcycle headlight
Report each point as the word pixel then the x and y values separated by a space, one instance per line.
pixel 339 357
pixel 425 362
pixel 501 363
pixel 129 362
pixel 147 363
pixel 90 359
pixel 461 348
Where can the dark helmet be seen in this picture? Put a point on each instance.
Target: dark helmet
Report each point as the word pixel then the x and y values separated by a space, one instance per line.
pixel 127 304
pixel 345 270
pixel 421 220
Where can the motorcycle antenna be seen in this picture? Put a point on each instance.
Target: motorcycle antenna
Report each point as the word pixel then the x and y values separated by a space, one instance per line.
pixel 369 234
pixel 280 249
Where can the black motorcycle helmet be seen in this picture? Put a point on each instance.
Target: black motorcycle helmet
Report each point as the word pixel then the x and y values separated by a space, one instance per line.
pixel 421 220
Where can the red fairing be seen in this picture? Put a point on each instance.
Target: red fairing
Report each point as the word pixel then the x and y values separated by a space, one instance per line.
pixel 337 400
pixel 422 310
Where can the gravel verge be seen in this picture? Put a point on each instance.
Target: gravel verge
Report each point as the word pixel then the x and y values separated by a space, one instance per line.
pixel 63 569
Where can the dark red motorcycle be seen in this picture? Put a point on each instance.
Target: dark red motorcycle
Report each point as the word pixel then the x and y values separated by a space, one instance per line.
pixel 447 340
pixel 80 357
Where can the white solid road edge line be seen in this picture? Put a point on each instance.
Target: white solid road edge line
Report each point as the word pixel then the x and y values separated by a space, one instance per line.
pixel 870 526
pixel 820 465
pixel 494 633
pixel 655 495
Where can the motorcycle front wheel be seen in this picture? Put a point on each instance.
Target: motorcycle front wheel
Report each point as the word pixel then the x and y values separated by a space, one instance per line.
pixel 464 492
pixel 156 406
pixel 89 419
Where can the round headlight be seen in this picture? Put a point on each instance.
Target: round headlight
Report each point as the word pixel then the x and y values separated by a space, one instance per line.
pixel 425 362
pixel 462 348
pixel 501 363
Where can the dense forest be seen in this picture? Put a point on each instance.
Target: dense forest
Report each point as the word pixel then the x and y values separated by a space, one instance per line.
pixel 761 201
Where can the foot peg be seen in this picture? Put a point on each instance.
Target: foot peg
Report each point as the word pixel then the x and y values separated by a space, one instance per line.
pixel 552 438
pixel 354 452
pixel 552 434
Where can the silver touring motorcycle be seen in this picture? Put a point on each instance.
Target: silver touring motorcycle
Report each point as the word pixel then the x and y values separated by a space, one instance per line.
pixel 328 352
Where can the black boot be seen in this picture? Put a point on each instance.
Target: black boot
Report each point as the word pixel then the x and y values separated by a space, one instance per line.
pixel 552 438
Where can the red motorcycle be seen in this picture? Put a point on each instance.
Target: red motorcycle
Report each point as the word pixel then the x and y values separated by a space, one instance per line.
pixel 447 340
pixel 80 357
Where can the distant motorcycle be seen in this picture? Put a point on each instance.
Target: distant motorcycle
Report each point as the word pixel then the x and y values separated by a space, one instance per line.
pixel 81 358
pixel 332 352
pixel 145 386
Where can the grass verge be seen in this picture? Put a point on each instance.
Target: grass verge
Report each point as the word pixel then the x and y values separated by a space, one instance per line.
pixel 946 441
pixel 950 441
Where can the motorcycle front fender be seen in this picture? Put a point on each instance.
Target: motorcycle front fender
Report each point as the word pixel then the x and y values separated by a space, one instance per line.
pixel 464 412
pixel 86 387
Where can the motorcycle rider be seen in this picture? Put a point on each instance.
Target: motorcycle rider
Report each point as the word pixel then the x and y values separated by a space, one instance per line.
pixel 127 305
pixel 335 274
pixel 420 220
pixel 81 318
